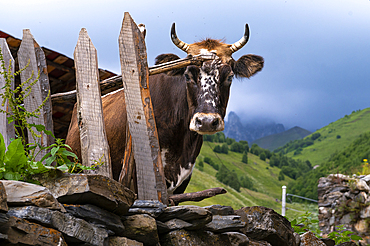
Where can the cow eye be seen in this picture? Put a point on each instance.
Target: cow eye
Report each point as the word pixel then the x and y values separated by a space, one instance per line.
pixel 230 78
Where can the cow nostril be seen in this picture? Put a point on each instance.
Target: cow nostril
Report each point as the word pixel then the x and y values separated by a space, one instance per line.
pixel 215 122
pixel 198 121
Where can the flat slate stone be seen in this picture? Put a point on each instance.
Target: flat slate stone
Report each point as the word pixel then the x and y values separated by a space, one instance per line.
pixel 309 239
pixel 220 210
pixel 75 230
pixel 3 199
pixel 24 194
pixel 123 241
pixel 226 223
pixel 91 189
pixel 142 228
pixel 97 216
pixel 152 208
pixel 187 213
pixel 265 224
pixel 200 237
pixel 20 231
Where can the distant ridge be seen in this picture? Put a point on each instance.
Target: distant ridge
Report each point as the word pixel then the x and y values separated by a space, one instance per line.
pixel 275 141
pixel 250 130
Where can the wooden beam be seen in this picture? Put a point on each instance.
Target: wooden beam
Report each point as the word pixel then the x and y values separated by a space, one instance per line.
pixel 196 196
pixel 94 144
pixel 61 67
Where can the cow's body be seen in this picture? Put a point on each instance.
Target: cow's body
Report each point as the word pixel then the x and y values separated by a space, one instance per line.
pixel 187 103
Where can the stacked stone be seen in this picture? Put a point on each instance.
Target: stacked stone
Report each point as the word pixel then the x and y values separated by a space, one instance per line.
pixel 93 210
pixel 345 200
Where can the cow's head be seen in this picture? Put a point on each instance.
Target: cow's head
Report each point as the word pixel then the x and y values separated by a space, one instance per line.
pixel 208 85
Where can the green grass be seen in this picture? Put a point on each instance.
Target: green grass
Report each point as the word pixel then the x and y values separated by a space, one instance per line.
pixel 264 178
pixel 348 128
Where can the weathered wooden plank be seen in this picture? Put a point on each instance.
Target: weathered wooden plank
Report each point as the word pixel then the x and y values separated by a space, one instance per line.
pixel 94 144
pixel 7 130
pixel 134 68
pixel 116 81
pixel 27 53
pixel 45 91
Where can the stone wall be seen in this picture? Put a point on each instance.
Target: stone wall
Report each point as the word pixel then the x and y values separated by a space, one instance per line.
pixel 345 200
pixel 93 210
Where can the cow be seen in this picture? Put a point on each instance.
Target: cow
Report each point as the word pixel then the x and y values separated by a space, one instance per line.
pixel 187 103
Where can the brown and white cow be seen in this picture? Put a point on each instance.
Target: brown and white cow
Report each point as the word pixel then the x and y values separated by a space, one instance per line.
pixel 187 103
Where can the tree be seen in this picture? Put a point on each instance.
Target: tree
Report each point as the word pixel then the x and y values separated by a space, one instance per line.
pixel 237 147
pixel 229 141
pixel 281 176
pixel 208 138
pixel 217 149
pixel 245 158
pixel 246 183
pixel 224 149
pixel 263 156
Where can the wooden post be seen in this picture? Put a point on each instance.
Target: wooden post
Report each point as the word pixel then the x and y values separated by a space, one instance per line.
pixel 7 130
pixel 94 144
pixel 29 51
pixel 134 68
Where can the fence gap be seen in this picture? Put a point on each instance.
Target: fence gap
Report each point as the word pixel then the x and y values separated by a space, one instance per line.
pixel 27 53
pixel 146 151
pixel 94 144
pixel 7 130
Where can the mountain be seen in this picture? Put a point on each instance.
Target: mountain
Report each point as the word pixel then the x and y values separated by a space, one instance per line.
pixel 274 141
pixel 320 145
pixel 249 131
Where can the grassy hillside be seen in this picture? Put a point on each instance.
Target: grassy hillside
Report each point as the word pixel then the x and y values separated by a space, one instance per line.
pixel 264 178
pixel 274 141
pixel 333 138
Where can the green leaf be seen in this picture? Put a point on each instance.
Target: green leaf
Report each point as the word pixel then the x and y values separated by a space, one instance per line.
pixel 15 156
pixel 2 148
pixel 45 156
pixel 68 153
pixel 54 150
pixel 12 176
pixel 50 160
pixel 355 237
pixel 63 168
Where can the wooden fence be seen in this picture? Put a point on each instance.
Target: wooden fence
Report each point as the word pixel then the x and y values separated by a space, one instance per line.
pixel 142 145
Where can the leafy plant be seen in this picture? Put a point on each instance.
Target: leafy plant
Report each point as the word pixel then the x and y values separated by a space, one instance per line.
pixel 305 223
pixel 365 167
pixel 19 161
pixel 343 235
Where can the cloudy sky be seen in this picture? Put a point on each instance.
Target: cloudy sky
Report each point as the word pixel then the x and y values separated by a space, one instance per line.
pixel 317 52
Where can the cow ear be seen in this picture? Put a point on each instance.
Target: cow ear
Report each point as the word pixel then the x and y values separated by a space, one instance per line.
pixel 248 65
pixel 167 58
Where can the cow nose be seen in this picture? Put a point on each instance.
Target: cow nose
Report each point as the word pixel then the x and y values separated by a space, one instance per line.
pixel 206 123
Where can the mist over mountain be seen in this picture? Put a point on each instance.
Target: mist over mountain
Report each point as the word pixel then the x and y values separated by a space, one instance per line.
pixel 250 130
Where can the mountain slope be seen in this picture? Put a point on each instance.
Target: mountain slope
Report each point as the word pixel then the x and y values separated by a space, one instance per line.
pixel 274 141
pixel 263 176
pixel 332 138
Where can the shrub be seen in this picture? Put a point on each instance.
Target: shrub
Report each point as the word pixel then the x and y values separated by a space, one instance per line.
pixel 245 158
pixel 224 149
pixel 211 163
pixel 237 147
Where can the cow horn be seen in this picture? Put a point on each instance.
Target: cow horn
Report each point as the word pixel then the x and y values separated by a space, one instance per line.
pixel 238 45
pixel 180 44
